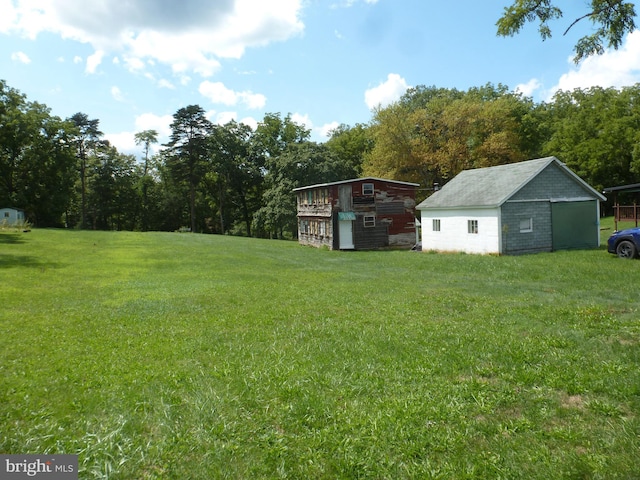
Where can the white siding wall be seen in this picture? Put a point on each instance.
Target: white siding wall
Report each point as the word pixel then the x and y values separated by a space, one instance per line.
pixel 454 236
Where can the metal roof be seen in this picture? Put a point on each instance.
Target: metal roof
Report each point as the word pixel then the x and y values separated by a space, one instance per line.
pixel 492 186
pixel 634 187
pixel 363 179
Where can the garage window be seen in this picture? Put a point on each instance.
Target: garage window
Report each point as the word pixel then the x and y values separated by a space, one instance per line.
pixel 472 226
pixel 526 225
pixel 436 224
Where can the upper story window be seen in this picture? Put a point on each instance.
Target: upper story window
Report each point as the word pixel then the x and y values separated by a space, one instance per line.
pixel 318 196
pixel 367 189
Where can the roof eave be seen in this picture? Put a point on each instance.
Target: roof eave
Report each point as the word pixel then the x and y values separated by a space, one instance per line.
pixel 352 180
pixel 459 207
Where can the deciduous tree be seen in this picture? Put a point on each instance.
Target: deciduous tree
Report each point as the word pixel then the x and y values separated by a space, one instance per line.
pixel 112 198
pixel 431 138
pixel 595 132
pixel 611 19
pixel 36 160
pixel 234 180
pixel 301 164
pixel 350 145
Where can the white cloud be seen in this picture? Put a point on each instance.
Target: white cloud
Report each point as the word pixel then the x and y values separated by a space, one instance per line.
pixel 124 141
pixel 189 39
pixel 615 68
pixel 20 57
pixel 529 88
pixel 351 3
pixel 159 123
pixel 319 133
pixel 252 100
pixel 181 53
pixel 77 59
pixel 302 120
pixel 93 61
pixel 8 18
pixel 223 118
pixel 162 83
pixel 387 92
pixel 325 130
pixel 216 92
pixel 250 121
pixel 116 94
pixel 134 64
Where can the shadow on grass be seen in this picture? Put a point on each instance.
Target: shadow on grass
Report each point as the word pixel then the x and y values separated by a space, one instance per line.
pixel 11 238
pixel 13 261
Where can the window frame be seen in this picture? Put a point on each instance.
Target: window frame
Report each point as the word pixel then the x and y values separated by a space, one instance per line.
pixel 527 228
pixel 368 189
pixel 369 221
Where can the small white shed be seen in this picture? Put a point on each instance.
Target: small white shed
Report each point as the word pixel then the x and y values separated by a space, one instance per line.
pixel 11 216
pixel 533 206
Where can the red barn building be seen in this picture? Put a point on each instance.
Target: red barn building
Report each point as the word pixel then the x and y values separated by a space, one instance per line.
pixel 360 214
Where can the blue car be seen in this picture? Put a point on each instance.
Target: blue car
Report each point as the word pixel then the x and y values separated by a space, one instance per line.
pixel 625 243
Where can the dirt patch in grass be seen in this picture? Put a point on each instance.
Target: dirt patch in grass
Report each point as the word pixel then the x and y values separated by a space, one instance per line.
pixel 572 401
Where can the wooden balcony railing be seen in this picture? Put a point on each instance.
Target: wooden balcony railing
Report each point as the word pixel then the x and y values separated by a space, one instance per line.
pixel 626 213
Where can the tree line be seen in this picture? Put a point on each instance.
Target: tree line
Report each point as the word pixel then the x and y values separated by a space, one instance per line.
pixel 226 179
pixel 432 134
pixel 232 179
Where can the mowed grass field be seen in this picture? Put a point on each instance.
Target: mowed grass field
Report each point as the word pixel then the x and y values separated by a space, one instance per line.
pixel 180 356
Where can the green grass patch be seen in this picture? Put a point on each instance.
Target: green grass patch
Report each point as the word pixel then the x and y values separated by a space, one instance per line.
pixel 159 355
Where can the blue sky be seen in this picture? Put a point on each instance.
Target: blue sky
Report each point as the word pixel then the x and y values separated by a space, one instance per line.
pixel 133 64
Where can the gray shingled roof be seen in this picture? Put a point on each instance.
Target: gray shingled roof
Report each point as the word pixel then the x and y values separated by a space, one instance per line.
pixel 491 186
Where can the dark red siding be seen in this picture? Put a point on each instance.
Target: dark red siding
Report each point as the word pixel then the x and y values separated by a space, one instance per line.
pixel 384 214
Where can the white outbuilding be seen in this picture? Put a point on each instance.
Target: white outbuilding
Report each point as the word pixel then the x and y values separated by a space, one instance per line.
pixel 11 216
pixel 532 206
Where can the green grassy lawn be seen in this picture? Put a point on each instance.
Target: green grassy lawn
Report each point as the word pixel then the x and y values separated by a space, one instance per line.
pixel 160 355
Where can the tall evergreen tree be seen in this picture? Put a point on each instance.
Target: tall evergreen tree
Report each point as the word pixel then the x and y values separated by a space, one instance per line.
pixel 87 141
pixel 188 152
pixel 146 138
